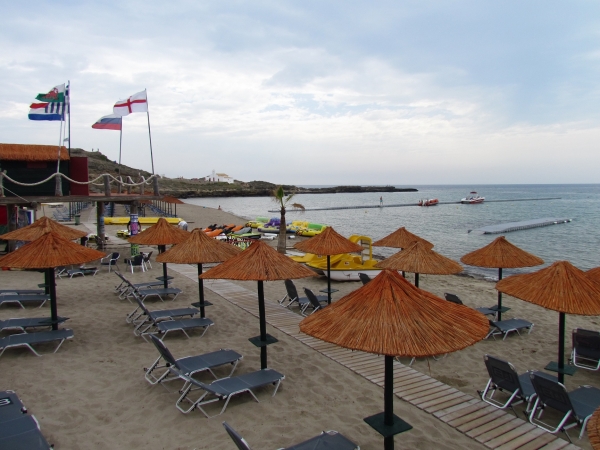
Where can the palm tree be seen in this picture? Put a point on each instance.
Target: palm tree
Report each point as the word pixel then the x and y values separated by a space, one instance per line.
pixel 283 201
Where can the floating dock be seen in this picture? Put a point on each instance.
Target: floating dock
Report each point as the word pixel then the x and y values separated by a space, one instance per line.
pixel 397 205
pixel 524 225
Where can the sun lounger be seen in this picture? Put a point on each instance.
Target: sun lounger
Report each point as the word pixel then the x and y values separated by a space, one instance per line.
pixel 11 406
pixel 28 322
pixel 364 278
pixel 315 302
pixel 21 299
pixel 504 379
pixel 189 365
pixel 576 406
pixel 22 291
pixel 82 271
pixel 326 440
pixel 125 288
pixel 225 388
pixel 163 325
pixel 454 299
pixel 157 292
pixel 504 327
pixel 29 339
pixel 293 298
pixel 22 433
pixel 586 349
pixel 141 314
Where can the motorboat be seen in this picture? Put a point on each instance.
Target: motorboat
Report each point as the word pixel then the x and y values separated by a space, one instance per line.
pixel 428 202
pixel 472 198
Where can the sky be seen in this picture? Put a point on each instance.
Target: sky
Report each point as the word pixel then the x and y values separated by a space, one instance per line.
pixel 318 92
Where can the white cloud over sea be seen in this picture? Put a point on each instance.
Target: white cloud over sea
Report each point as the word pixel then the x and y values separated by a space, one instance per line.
pixel 319 92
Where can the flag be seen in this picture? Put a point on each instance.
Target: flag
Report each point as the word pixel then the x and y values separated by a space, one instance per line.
pixel 56 95
pixel 110 122
pixel 46 111
pixel 136 103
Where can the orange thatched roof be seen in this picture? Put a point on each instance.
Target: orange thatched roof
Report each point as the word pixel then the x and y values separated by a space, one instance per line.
pixel 48 251
pixel 161 233
pixel 170 199
pixel 198 248
pixel 561 287
pixel 418 258
pixel 401 238
pixel 42 226
pixel 593 430
pixel 328 242
pixel 259 262
pixel 593 274
pixel 501 254
pixel 26 152
pixel 390 316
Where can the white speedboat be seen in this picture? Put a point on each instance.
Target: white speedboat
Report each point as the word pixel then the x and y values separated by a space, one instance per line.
pixel 472 198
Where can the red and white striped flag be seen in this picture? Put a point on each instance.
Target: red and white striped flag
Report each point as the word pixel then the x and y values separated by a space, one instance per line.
pixel 136 103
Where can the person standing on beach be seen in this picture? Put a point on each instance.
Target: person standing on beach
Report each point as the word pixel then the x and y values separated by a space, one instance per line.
pixel 381 200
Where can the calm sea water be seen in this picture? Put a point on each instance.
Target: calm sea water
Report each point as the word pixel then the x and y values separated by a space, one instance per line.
pixel 447 226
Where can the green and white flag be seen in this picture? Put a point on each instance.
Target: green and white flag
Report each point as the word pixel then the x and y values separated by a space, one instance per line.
pixel 56 95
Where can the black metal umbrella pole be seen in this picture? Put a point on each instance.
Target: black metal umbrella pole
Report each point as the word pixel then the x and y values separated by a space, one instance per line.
pixel 51 284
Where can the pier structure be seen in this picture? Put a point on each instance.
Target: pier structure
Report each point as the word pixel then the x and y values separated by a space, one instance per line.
pixel 523 225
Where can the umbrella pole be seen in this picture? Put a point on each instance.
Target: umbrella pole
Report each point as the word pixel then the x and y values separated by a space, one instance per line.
pixel 561 347
pixel 388 395
pixel 263 325
pixel 328 279
pixel 416 280
pixel 499 296
pixel 161 249
pixel 51 283
pixel 201 290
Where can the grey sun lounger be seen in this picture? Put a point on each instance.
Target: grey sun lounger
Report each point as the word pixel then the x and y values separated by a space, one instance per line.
pixel 141 314
pixel 28 322
pixel 504 327
pixel 29 339
pixel 164 325
pixel 22 433
pixel 188 365
pixel 125 288
pixel 11 406
pixel 326 440
pixel 225 388
pixel 22 291
pixel 21 299
pixel 83 271
pixel 586 349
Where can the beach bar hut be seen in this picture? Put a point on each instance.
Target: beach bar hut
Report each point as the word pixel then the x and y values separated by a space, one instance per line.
pixel 199 249
pixel 560 287
pixel 259 263
pixel 161 234
pixel 389 316
pixel 420 258
pixel 329 242
pixel 501 254
pixel 48 252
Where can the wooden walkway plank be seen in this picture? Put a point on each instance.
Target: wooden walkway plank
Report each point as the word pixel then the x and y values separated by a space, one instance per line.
pixel 499 431
pixel 523 439
pixel 437 397
pixel 484 428
pixel 538 442
pixel 463 411
pixel 525 427
pixel 459 421
pixel 483 420
pixel 427 394
pixel 453 405
pixel 426 405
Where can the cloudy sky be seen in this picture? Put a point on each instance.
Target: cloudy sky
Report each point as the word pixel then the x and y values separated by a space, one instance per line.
pixel 319 92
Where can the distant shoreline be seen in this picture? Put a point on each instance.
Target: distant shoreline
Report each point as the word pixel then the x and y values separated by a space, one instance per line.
pixel 249 192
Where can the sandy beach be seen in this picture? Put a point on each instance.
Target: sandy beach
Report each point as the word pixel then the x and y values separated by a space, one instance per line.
pixel 92 393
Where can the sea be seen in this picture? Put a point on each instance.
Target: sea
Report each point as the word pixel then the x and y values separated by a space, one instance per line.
pixel 452 227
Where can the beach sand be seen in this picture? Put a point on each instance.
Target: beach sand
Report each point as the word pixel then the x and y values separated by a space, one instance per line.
pixel 92 393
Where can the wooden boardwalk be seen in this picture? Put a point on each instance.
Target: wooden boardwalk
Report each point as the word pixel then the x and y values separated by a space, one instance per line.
pixel 490 426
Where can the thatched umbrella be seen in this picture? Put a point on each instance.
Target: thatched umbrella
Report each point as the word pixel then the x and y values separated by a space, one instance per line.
pixel 48 252
pixel 594 274
pixel 329 242
pixel 561 287
pixel 199 249
pixel 419 258
pixel 401 238
pixel 593 429
pixel 174 201
pixel 40 227
pixel 161 234
pixel 389 316
pixel 501 254
pixel 259 262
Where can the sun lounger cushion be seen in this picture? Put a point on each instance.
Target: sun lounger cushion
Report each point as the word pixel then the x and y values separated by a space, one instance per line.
pixel 22 433
pixel 28 339
pixel 22 291
pixel 28 322
pixel 11 406
pixel 21 299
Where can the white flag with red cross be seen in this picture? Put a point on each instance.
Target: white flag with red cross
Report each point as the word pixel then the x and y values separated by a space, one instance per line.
pixel 136 103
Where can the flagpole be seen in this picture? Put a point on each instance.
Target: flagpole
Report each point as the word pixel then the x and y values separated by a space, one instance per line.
pixel 120 143
pixel 149 134
pixel 69 113
pixel 58 185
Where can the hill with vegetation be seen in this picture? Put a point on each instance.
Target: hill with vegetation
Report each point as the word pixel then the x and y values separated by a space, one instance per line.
pixel 99 164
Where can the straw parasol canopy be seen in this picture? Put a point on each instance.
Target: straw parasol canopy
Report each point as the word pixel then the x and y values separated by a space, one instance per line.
pixel 161 234
pixel 259 262
pixel 420 258
pixel 389 316
pixel 199 249
pixel 40 227
pixel 401 238
pixel 593 430
pixel 560 287
pixel 501 254
pixel 47 252
pixel 329 242
pixel 594 274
